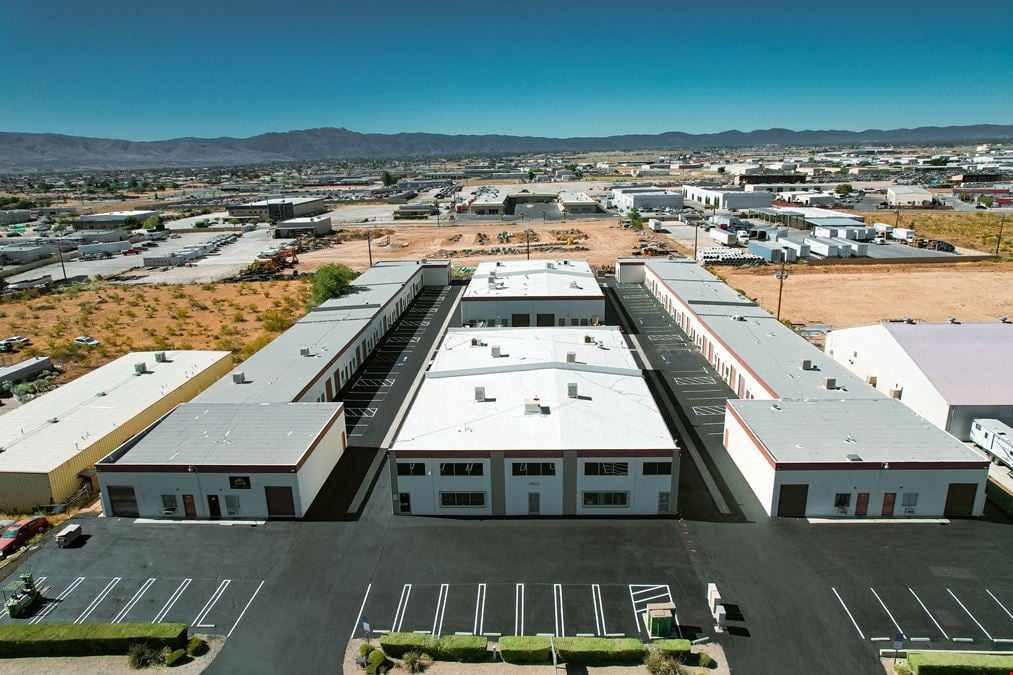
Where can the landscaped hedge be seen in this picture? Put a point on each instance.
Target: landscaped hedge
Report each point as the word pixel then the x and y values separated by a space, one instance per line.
pixel 587 651
pixel 943 663
pixel 525 649
pixel 87 639
pixel 447 648
pixel 679 649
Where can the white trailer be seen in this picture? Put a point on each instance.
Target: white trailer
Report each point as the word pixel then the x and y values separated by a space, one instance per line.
pixel 903 234
pixel 655 225
pixel 995 438
pixel 824 249
pixel 726 237
pixel 883 228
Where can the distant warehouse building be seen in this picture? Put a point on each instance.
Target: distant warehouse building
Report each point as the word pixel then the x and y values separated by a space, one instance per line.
pixel 278 209
pixel 314 226
pixel 577 203
pixel 908 195
pixel 645 198
pixel 724 198
pixel 521 293
pixel 534 422
pixel 949 373
pixel 112 219
pixel 261 441
pixel 48 442
pixel 811 438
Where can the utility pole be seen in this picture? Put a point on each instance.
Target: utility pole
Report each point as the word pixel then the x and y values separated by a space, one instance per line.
pixel 369 246
pixel 998 240
pixel 780 276
pixel 696 235
pixel 527 241
pixel 64 267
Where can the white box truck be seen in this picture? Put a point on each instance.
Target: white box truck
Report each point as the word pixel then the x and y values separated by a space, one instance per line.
pixel 995 438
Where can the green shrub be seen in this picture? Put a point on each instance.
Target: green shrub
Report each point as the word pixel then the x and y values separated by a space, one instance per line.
pixel 525 649
pixel 704 660
pixel 947 663
pixel 376 657
pixel 659 663
pixel 447 648
pixel 599 651
pixel 177 657
pixel 677 648
pixel 87 639
pixel 366 648
pixel 141 655
pixel 197 646
pixel 415 661
pixel 901 668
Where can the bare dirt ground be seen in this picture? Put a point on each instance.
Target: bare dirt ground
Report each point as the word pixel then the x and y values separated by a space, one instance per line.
pixel 847 296
pixel 977 231
pixel 605 240
pixel 236 317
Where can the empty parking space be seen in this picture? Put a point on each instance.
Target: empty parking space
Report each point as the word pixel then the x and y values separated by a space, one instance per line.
pixel 206 605
pixel 958 616
pixel 495 609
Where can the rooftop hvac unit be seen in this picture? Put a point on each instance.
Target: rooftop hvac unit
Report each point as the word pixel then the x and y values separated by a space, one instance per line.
pixel 304 351
pixel 852 457
pixel 896 393
pixel 571 390
pixel 532 406
pixel 140 368
pixel 550 265
pixel 589 339
pixel 571 357
pixel 53 420
pixel 159 357
pixel 738 317
pixel 239 378
pixel 492 280
pixel 807 364
pixel 479 393
pixel 830 383
pixel 496 352
pixel 872 380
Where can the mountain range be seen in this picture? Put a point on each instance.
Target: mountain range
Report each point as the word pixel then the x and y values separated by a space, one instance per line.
pixel 30 152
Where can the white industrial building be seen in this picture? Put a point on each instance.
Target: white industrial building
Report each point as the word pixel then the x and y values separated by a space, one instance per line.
pixel 112 219
pixel 534 421
pixel 949 373
pixel 49 444
pixel 645 199
pixel 810 437
pixel 908 195
pixel 271 423
pixel 523 293
pixel 725 198
pixel 226 460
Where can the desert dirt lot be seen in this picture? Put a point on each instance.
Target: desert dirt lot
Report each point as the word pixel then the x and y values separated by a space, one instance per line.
pixel 237 317
pixel 970 230
pixel 605 240
pixel 846 296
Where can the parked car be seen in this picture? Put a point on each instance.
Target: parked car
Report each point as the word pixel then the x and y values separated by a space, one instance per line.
pixel 86 340
pixel 17 535
pixel 18 340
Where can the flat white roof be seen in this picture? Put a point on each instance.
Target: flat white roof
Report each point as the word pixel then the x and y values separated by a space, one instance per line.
pixel 908 189
pixel 575 197
pixel 88 408
pixel 285 200
pixel 305 220
pixel 116 215
pixel 879 430
pixel 613 410
pixel 534 279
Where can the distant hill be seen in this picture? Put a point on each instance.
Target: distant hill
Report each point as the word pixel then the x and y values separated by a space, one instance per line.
pixel 54 152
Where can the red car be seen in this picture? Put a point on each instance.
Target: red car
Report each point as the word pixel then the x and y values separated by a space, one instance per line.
pixel 18 534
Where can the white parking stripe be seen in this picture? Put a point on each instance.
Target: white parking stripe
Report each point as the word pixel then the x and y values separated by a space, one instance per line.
pixel 894 621
pixel 519 609
pixel 98 600
pixel 599 610
pixel 52 605
pixel 209 605
pixel 402 606
pixel 853 622
pixel 929 613
pixel 557 602
pixel 441 609
pixel 969 614
pixel 361 607
pixel 999 603
pixel 134 600
pixel 479 610
pixel 171 601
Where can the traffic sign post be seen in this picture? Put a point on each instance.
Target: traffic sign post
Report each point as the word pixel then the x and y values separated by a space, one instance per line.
pixel 898 642
pixel 365 626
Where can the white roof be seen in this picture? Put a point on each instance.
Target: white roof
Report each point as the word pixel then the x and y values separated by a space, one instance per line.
pixel 614 409
pixel 285 200
pixel 872 430
pixel 967 363
pixel 533 279
pixel 118 215
pixel 88 408
pixel 908 189
pixel 574 197
pixel 305 220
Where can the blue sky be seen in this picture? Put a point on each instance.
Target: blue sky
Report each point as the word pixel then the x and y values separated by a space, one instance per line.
pixel 143 70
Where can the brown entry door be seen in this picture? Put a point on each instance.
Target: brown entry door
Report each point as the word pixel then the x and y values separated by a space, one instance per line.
pixel 280 503
pixel 888 499
pixel 960 500
pixel 862 505
pixel 520 320
pixel 189 507
pixel 545 320
pixel 792 501
pixel 122 500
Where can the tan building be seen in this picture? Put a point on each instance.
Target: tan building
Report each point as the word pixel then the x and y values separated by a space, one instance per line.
pixel 47 443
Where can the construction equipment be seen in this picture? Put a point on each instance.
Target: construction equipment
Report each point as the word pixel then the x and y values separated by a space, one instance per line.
pixel 274 264
pixel 21 596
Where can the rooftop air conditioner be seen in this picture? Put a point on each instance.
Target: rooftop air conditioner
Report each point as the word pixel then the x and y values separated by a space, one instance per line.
pixel 239 378
pixel 140 368
pixel 496 352
pixel 807 364
pixel 159 357
pixel 589 339
pixel 532 406
pixel 896 393
pixel 830 383
pixel 571 390
pixel 571 357
pixel 479 393
pixel 304 351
